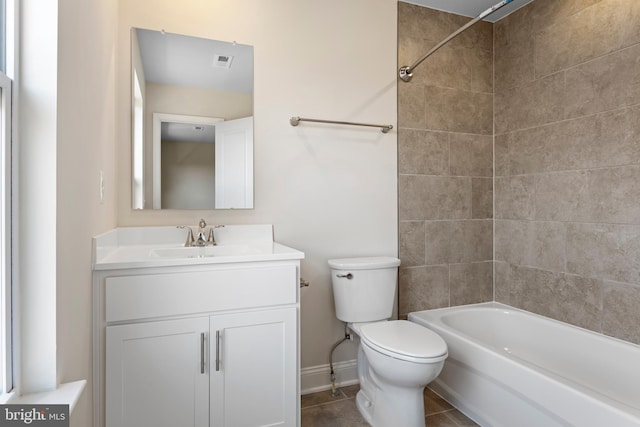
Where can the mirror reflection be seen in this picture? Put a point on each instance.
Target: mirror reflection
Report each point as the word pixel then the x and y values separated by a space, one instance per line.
pixel 192 122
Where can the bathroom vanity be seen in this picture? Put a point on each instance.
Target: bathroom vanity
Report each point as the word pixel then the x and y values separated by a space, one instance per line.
pixel 195 336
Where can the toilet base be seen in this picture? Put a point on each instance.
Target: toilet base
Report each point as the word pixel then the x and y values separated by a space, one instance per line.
pixel 396 407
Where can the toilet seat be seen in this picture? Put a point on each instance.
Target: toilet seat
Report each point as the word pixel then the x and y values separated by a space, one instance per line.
pixel 404 340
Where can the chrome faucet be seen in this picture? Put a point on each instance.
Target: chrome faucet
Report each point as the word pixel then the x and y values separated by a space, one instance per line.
pixel 202 238
pixel 190 240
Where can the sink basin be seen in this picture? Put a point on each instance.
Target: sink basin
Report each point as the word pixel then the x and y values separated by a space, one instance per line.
pixel 141 247
pixel 201 252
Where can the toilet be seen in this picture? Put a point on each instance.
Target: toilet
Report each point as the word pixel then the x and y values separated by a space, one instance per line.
pixel 396 358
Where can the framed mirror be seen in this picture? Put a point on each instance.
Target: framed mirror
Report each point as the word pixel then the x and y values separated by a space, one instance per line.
pixel 192 122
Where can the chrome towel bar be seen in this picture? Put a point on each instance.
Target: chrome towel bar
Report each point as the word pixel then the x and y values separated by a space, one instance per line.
pixel 295 121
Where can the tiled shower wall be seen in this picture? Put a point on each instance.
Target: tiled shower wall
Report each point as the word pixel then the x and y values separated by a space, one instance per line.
pixel 567 146
pixel 567 162
pixel 445 143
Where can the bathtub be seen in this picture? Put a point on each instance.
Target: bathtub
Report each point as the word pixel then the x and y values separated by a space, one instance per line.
pixel 512 368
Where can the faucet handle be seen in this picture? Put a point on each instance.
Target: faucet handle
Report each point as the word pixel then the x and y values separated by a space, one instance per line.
pixel 190 239
pixel 211 240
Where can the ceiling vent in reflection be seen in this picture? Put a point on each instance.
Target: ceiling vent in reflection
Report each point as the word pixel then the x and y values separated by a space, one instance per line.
pixel 222 61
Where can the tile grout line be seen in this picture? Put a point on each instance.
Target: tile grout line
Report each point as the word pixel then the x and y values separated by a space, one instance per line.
pixel 326 403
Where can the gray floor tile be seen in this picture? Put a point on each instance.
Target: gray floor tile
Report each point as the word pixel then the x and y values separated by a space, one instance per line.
pixel 323 410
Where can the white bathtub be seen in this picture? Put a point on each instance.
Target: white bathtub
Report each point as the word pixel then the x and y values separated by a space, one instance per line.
pixel 512 368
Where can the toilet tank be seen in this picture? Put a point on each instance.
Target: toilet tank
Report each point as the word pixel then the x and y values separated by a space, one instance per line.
pixel 364 289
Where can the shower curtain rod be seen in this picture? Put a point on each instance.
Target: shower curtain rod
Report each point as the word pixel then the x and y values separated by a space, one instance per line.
pixel 406 72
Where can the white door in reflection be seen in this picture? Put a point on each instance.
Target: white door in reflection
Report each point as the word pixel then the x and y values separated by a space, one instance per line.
pixel 234 164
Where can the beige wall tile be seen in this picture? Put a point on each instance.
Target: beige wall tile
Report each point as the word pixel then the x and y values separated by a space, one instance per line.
pixel 502 282
pixel 434 197
pixel 481 198
pixel 607 251
pixel 511 241
pixel 411 106
pixel 534 104
pixel 423 288
pixel 446 242
pixel 561 196
pixel 479 36
pixel 459 241
pixel 603 84
pixel 412 243
pixel 606 139
pixel 501 153
pixel 456 110
pixel 409 50
pixel 450 66
pixel 514 48
pixel 423 152
pixel 534 244
pixel 567 159
pixel 460 63
pixel 527 150
pixel 550 12
pixel 471 155
pixel 600 195
pixel 568 298
pixel 516 70
pixel 621 314
pixel 481 64
pixel 471 283
pixel 515 197
pixel 614 195
pixel 547 246
pixel 417 21
pixel 413 21
pixel 594 31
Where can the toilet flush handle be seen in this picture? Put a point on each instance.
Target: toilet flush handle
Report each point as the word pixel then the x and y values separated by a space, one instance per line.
pixel 348 275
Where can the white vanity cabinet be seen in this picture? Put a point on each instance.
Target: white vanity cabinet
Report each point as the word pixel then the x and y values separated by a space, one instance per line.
pixel 254 369
pixel 227 370
pixel 154 375
pixel 198 345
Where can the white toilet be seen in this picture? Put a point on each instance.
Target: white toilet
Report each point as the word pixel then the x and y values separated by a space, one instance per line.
pixel 396 358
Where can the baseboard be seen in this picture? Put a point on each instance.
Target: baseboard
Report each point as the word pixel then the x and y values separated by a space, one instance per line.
pixel 318 378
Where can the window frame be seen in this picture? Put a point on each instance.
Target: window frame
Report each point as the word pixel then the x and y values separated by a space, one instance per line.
pixel 8 184
pixel 6 294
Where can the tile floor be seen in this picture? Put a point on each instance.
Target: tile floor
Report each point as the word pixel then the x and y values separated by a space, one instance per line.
pixel 323 410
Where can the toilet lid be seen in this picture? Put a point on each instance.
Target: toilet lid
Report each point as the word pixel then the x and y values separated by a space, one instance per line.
pixel 368 263
pixel 404 340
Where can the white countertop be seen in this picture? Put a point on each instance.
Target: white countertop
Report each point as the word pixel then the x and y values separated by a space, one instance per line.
pixel 140 247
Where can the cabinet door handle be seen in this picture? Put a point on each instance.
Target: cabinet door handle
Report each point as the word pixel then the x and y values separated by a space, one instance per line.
pixel 202 353
pixel 217 351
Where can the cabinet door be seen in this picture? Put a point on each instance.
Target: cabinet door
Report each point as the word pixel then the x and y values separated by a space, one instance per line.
pixel 254 367
pixel 157 375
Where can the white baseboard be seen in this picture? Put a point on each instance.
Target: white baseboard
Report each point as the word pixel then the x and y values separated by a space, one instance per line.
pixel 318 378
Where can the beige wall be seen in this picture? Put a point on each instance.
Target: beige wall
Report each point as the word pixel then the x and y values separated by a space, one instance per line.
pixel 188 174
pixel 330 191
pixel 84 147
pixel 568 163
pixel 445 162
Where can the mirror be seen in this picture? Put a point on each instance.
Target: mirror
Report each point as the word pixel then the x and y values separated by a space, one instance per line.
pixel 192 122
